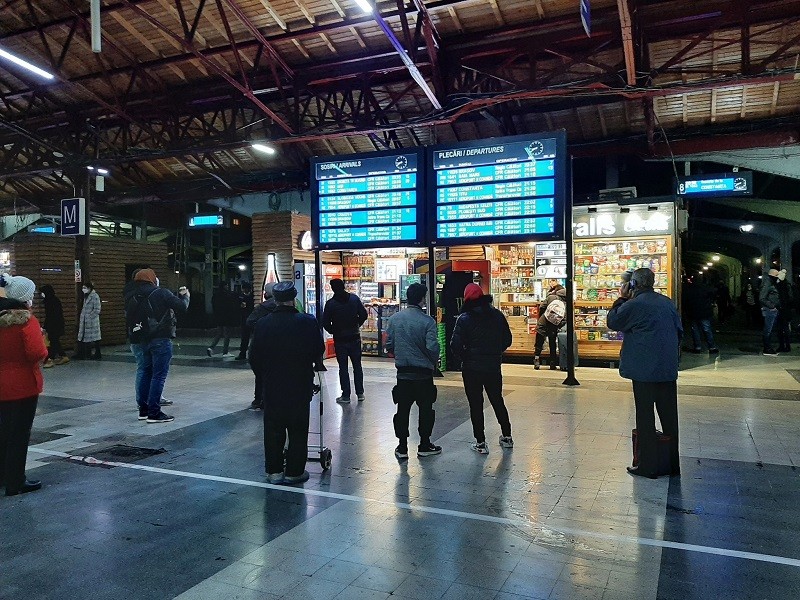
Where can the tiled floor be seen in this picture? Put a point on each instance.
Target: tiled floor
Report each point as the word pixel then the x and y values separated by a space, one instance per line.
pixel 556 517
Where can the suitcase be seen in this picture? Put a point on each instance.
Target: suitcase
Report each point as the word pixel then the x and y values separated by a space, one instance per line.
pixel 663 463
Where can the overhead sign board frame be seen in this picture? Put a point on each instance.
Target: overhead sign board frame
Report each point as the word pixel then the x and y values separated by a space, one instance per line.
pixel 368 200
pixel 714 185
pixel 515 188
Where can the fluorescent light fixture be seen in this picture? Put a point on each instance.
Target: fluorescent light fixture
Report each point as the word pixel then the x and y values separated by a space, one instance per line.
pixel 710 264
pixel 25 64
pixel 746 228
pixel 102 171
pixel 699 272
pixel 715 258
pixel 90 168
pixel 758 261
pixel 705 268
pixel 263 148
pixel 242 268
pixel 364 5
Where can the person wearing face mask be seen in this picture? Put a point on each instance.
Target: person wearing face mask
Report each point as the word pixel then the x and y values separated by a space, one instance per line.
pixel 54 326
pixel 22 350
pixel 89 324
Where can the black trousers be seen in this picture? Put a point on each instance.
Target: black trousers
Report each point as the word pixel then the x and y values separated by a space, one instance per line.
pixel 245 342
pixel 474 384
pixel 404 394
pixel 16 420
pixel 664 394
pixel 782 325
pixel 538 344
pixel 278 422
pixel 55 350
pixel 258 396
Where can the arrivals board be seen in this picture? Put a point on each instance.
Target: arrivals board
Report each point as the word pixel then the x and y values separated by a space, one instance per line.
pixel 719 184
pixel 367 200
pixel 497 190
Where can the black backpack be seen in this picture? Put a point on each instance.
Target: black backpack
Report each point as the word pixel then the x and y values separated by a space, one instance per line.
pixel 140 322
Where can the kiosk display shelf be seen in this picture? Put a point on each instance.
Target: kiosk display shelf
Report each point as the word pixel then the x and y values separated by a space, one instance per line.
pixel 599 265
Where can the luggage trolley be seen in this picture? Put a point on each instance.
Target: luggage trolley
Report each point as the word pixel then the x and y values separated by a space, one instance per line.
pixel 320 453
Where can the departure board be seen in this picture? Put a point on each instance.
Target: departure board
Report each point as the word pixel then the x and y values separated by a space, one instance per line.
pixel 367 200
pixel 497 190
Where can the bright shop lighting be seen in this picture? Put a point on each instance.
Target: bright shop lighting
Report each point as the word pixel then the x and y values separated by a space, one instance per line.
pixel 263 148
pixel 364 5
pixel 715 258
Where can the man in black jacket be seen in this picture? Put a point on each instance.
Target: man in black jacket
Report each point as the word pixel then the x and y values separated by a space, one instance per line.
pixel 342 318
pixel 245 310
pixel 154 352
pixel 260 311
pixel 480 337
pixel 286 344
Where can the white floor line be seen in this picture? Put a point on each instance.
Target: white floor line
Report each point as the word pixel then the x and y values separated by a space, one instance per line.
pixel 768 558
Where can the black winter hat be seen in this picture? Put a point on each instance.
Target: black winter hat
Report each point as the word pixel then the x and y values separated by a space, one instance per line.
pixel 284 291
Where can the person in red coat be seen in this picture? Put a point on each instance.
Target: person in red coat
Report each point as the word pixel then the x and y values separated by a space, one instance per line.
pixel 22 351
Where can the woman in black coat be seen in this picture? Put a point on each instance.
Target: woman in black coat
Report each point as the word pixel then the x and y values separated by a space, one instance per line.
pixel 54 326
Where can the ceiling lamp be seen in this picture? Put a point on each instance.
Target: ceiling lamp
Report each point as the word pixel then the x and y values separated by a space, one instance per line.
pixel 747 228
pixel 364 5
pixel 263 148
pixel 25 64
pixel 715 258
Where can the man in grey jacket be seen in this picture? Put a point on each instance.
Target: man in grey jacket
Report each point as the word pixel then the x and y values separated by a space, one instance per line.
pixel 411 337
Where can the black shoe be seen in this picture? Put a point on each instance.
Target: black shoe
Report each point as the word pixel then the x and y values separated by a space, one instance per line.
pixel 553 367
pixel 784 349
pixel 28 486
pixel 401 452
pixel 537 362
pixel 142 414
pixel 428 450
pixel 770 352
pixel 255 406
pixel 713 351
pixel 240 357
pixel 97 357
pixel 160 418
pixel 635 471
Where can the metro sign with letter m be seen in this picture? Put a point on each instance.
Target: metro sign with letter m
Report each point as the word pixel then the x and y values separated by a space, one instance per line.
pixel 73 216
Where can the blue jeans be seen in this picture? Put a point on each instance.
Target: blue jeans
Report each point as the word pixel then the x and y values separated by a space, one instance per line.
pixel 152 367
pixel 769 322
pixel 705 325
pixel 344 351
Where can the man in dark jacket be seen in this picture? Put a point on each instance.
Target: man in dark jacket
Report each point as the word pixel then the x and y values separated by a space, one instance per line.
pixel 698 304
pixel 480 336
pixel 153 352
pixel 770 299
pixel 245 310
pixel 286 344
pixel 342 318
pixel 650 352
pixel 260 311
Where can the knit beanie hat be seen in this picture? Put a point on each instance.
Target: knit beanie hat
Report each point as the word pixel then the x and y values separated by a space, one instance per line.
pixel 20 288
pixel 472 292
pixel 147 275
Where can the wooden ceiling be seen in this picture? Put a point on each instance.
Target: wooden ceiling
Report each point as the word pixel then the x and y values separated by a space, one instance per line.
pixel 182 87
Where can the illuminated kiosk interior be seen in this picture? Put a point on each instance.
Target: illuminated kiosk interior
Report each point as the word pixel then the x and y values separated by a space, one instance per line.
pixel 368 208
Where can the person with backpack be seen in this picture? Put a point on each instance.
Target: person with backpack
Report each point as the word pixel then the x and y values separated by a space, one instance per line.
pixel 551 318
pixel 480 336
pixel 343 317
pixel 150 322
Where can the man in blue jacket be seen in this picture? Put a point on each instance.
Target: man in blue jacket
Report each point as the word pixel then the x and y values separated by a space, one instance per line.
pixel 412 338
pixel 650 351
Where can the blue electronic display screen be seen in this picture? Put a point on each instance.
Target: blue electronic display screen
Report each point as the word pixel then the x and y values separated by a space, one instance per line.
pixel 498 190
pixel 720 184
pixel 368 200
pixel 211 221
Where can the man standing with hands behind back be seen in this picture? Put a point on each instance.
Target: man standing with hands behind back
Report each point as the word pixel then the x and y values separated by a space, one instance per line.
pixel 342 318
pixel 650 352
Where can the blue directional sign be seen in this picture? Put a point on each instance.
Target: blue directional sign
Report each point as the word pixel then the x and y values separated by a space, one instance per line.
pixel 73 216
pixel 717 184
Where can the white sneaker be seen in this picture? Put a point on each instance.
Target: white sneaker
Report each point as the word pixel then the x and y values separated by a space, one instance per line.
pixel 343 400
pixel 506 441
pixel 480 447
pixel 361 397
